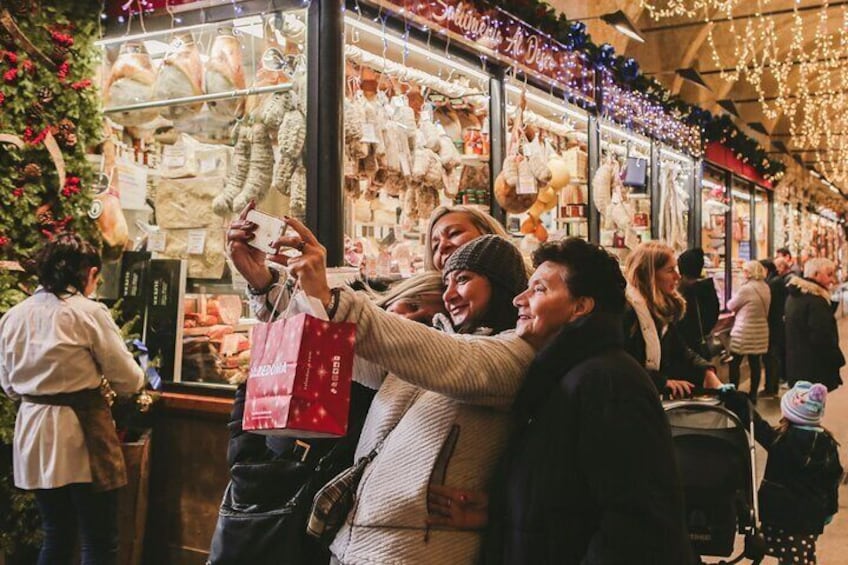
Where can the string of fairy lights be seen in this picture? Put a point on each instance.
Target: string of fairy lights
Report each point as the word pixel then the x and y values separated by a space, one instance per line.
pixel 796 67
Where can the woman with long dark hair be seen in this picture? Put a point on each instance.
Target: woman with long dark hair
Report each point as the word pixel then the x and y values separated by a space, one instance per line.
pixel 655 307
pixel 56 347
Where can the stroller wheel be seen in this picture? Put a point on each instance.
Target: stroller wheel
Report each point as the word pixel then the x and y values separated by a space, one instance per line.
pixel 755 547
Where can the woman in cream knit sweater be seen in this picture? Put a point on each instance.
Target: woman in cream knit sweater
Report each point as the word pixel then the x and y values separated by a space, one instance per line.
pixel 445 422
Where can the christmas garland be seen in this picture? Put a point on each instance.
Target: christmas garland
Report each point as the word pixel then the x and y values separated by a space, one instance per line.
pixel 542 16
pixel 49 115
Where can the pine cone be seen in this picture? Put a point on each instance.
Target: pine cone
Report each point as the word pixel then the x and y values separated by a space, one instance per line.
pixel 21 7
pixel 46 95
pixel 66 126
pixel 32 171
pixel 68 140
pixel 35 112
pixel 60 52
pixel 45 217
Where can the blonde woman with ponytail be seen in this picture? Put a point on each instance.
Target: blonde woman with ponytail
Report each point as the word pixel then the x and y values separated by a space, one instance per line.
pixel 650 323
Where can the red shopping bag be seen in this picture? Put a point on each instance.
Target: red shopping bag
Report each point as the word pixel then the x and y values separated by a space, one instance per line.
pixel 299 380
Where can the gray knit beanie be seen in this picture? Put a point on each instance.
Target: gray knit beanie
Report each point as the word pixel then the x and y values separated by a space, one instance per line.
pixel 493 257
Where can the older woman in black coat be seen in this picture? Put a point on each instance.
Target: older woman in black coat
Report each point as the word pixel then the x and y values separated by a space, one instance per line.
pixel 590 475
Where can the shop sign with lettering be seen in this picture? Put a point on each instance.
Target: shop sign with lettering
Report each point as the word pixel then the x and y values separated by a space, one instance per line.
pixel 504 36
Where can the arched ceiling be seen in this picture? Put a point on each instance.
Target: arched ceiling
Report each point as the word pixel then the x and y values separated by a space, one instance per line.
pixel 680 42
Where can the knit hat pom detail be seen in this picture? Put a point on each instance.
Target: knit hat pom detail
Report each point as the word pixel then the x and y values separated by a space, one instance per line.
pixel 818 393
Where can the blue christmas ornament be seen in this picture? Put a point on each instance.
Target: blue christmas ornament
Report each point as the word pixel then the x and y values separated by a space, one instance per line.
pixel 628 69
pixel 577 37
pixel 605 58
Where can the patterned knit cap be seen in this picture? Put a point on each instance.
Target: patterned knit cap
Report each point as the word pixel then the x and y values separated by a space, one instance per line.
pixel 804 403
pixel 493 257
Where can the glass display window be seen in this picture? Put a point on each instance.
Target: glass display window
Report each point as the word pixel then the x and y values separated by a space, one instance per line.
pixel 215 338
pixel 621 189
pixel 675 172
pixel 741 246
pixel 762 208
pixel 782 224
pixel 555 133
pixel 200 120
pixel 715 211
pixel 417 135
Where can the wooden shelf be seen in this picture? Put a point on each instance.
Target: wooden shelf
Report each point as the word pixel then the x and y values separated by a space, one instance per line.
pixel 475 160
pixel 562 220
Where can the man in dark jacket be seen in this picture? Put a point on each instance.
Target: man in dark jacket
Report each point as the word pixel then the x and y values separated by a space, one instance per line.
pixel 776 356
pixel 702 306
pixel 812 339
pixel 590 474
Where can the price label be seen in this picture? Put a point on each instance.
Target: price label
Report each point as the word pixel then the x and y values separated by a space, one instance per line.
pixel 156 241
pixel 208 165
pixel 369 133
pixel 196 242
pixel 132 182
pixel 173 156
pixel 229 344
pixel 349 168
pixel 526 181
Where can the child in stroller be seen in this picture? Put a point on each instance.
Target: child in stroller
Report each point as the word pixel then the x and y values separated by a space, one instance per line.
pixel 715 456
pixel 798 495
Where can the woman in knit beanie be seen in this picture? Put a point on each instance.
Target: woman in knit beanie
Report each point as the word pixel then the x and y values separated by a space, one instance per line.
pixel 798 495
pixel 481 279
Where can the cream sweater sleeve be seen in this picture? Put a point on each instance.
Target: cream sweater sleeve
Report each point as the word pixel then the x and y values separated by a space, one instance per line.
pixel 473 369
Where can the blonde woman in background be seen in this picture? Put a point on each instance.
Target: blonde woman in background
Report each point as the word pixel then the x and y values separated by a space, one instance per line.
pixel 750 333
pixel 450 227
pixel 650 322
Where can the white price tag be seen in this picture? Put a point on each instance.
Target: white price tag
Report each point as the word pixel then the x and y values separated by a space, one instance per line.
pixel 132 182
pixel 526 181
pixel 173 156
pixel 156 241
pixel 349 168
pixel 229 344
pixel 208 165
pixel 369 133
pixel 196 242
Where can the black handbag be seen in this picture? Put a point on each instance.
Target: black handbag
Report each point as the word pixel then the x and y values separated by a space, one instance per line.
pixel 266 505
pixel 711 346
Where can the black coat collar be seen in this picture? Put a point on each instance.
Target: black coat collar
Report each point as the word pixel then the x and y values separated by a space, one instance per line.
pixel 577 341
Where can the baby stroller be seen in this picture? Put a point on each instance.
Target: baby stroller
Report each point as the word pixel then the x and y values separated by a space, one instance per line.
pixel 716 458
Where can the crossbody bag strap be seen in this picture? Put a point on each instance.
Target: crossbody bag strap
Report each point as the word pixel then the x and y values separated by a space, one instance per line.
pixel 700 322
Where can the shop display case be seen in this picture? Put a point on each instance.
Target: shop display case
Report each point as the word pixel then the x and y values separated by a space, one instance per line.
pixel 558 131
pixel 676 177
pixel 621 189
pixel 741 246
pixel 715 213
pixel 200 120
pixel 762 218
pixel 417 135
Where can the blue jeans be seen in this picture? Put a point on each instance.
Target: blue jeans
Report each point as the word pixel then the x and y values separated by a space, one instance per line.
pixel 76 508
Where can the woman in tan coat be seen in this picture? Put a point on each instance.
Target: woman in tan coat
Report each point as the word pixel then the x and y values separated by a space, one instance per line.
pixel 750 333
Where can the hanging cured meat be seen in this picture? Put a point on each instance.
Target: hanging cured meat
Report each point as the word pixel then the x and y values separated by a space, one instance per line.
pixel 180 76
pixel 224 73
pixel 131 82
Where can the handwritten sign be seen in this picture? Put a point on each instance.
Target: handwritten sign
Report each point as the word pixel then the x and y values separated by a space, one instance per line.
pixel 492 30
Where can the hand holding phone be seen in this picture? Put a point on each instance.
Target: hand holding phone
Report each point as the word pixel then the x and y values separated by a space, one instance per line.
pixel 268 230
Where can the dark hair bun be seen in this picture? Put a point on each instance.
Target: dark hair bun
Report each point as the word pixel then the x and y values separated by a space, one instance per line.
pixel 64 262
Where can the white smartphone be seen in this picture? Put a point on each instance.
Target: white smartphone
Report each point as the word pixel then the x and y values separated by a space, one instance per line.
pixel 268 230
